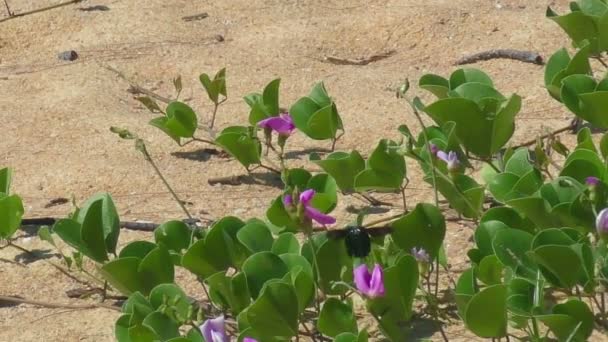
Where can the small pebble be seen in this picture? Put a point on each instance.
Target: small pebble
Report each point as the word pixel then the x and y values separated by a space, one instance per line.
pixel 69 55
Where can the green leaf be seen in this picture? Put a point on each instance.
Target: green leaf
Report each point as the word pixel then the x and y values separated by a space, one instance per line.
pixel 140 333
pixel 92 233
pixel 486 313
pixel 137 249
pixel 385 169
pixel 286 243
pixel 275 312
pixel 462 192
pixel 174 235
pixel 271 97
pixel 256 237
pixel 490 270
pixel 180 121
pixel 336 317
pixel 121 329
pixel 6 176
pixel 466 75
pixel 11 212
pixel 217 251
pixel 229 291
pixel 400 282
pixel 240 143
pixel 484 235
pixel 343 167
pixel 107 219
pixel 580 27
pixel 316 115
pixel 424 227
pixel 562 261
pixel 215 87
pixel 149 103
pixel 436 84
pixel 466 288
pixel 511 247
pixel 133 274
pixel 330 271
pixel 566 317
pixel 172 294
pixel 163 326
pixel 261 267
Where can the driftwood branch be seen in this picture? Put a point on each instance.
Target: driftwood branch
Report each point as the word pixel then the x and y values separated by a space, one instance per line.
pixel 141 226
pixel 17 300
pixel 136 89
pixel 199 16
pixel 358 61
pixel 518 55
pixel 13 15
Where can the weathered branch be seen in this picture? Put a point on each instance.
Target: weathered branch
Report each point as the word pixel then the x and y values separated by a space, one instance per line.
pixel 18 300
pixel 518 55
pixel 13 15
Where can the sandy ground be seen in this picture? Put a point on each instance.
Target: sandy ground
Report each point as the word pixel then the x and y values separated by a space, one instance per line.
pixel 55 115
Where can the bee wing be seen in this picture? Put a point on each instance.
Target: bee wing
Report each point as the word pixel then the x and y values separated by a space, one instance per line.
pixel 379 231
pixel 336 233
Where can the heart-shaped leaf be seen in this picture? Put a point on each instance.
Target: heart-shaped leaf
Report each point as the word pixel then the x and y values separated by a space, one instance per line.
pixel 424 227
pixel 336 317
pixel 11 212
pixel 275 312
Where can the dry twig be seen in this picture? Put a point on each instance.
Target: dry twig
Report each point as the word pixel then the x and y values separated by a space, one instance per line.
pixel 136 89
pixel 358 61
pixel 13 15
pixel 18 300
pixel 518 55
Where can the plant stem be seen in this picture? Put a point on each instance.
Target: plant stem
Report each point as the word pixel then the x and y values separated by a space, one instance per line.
pixel 428 148
pixel 535 329
pixel 57 305
pixel 167 185
pixel 544 136
pixel 59 268
pixel 599 58
pixel 309 236
pixel 269 168
pixel 404 199
pixel 203 141
pixel 436 277
pixel 215 107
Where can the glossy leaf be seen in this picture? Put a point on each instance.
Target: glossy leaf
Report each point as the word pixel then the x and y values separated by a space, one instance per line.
pixel 336 317
pixel 11 212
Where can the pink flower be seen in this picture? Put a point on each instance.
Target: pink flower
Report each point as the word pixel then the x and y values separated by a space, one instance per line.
pixel 592 181
pixel 249 339
pixel 282 124
pixel 450 158
pixel 434 149
pixel 370 285
pixel 310 211
pixel 213 330
pixel 601 224
pixel 421 255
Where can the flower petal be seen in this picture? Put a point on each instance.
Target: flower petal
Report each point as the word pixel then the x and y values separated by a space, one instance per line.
pixel 306 196
pixel 287 201
pixel 601 222
pixel 592 181
pixel 377 282
pixel 443 156
pixel 212 329
pixel 249 339
pixel 362 277
pixel 278 124
pixel 318 216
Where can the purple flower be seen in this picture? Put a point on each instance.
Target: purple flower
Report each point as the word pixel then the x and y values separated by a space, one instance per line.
pixel 592 181
pixel 249 339
pixel 310 212
pixel 421 255
pixel 601 224
pixel 451 158
pixel 213 330
pixel 282 124
pixel 370 285
pixel 434 149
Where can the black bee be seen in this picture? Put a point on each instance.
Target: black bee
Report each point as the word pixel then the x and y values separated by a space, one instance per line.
pixel 358 238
